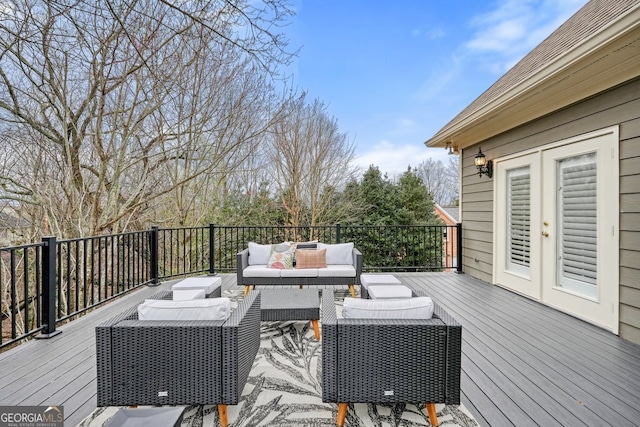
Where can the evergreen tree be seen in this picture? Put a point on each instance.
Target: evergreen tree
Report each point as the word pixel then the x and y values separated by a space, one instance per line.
pixel 415 200
pixel 379 198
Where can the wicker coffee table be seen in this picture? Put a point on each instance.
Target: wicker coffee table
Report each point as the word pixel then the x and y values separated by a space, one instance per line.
pixel 291 304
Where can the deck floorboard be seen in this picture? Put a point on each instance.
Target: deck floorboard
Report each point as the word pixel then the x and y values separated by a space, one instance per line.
pixel 588 375
pixel 523 363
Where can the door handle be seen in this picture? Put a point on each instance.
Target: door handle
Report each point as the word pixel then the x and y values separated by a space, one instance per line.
pixel 545 233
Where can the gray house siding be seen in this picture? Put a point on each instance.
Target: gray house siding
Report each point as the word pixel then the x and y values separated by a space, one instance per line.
pixel 618 106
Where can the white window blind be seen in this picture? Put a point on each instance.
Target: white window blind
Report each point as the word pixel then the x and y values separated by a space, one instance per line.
pixel 519 220
pixel 577 223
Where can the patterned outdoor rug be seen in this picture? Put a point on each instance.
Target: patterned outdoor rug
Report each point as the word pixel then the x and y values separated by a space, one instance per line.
pixel 284 389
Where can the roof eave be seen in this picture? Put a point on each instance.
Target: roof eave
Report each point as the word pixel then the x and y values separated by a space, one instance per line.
pixel 530 98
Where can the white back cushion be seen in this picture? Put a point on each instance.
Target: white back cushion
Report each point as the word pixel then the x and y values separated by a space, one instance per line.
pixel 259 254
pixel 339 253
pixel 197 309
pixel 405 308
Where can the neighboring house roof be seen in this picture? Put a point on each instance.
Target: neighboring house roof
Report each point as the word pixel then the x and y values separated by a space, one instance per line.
pixel 453 212
pixel 450 213
pixel 596 49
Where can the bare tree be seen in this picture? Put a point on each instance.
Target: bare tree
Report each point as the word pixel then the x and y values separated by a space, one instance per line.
pixel 309 159
pixel 441 179
pixel 115 111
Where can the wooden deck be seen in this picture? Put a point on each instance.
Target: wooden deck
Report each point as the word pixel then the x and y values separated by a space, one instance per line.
pixel 523 364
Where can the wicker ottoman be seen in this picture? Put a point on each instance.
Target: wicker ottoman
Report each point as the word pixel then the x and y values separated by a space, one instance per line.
pixel 390 292
pixel 277 305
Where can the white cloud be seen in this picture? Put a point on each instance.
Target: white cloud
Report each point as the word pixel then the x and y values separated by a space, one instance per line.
pixel 394 159
pixel 506 34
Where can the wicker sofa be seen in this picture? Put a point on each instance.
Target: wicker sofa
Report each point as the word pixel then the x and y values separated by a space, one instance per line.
pixel 340 270
pixel 390 360
pixel 171 362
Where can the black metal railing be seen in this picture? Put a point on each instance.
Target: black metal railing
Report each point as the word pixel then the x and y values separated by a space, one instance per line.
pixel 93 270
pixel 21 293
pixel 43 284
pixel 182 251
pixel 46 283
pixel 384 248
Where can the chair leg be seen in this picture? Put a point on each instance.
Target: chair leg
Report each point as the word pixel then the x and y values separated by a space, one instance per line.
pixel 300 286
pixel 222 412
pixel 433 416
pixel 246 290
pixel 353 290
pixel 316 329
pixel 342 413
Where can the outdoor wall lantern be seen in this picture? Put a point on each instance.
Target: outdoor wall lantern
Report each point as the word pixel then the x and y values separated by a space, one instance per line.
pixel 484 166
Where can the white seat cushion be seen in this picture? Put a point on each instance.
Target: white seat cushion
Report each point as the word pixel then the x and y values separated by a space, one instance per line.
pixel 406 308
pixel 387 292
pixel 337 271
pixel 209 284
pixel 261 271
pixel 378 279
pixel 299 272
pixel 197 309
pixel 187 294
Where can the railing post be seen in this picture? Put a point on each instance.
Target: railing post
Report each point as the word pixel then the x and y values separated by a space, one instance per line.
pixel 459 248
pixel 153 249
pixel 212 249
pixel 49 255
pixel 338 233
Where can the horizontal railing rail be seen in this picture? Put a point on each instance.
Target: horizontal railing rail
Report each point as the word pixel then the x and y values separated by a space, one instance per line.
pixel 46 283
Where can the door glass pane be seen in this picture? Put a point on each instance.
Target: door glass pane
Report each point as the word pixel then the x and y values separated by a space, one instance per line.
pixel 577 224
pixel 519 220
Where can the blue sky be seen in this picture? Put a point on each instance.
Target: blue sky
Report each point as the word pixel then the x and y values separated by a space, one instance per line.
pixel 393 73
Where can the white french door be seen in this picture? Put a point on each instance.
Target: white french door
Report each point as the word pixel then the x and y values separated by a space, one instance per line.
pixel 557 226
pixel 518 266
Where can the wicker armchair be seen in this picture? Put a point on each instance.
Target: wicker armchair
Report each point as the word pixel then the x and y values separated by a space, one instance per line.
pixel 177 362
pixel 390 361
